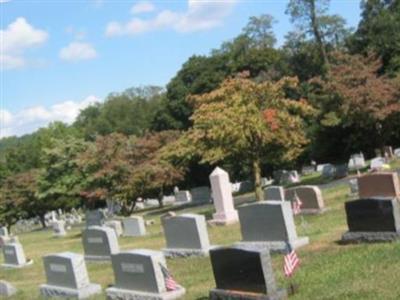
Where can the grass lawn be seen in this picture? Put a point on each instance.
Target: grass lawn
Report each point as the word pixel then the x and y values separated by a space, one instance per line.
pixel 328 270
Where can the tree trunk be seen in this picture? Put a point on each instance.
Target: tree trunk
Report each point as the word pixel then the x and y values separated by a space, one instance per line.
pixel 43 221
pixel 257 179
pixel 318 36
pixel 160 198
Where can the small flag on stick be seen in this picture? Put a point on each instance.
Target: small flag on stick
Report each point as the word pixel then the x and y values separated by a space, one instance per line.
pixel 170 283
pixel 296 204
pixel 291 262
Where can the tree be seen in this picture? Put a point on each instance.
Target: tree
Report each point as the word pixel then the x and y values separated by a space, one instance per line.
pixel 242 118
pixel 378 31
pixel 60 182
pixel 259 30
pixel 105 167
pixel 18 198
pixel 152 173
pixel 307 13
pixel 121 168
pixel 356 96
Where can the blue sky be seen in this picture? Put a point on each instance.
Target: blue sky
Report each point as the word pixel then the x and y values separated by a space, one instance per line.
pixel 59 56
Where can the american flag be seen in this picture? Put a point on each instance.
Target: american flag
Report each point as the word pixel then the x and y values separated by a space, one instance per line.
pixel 291 262
pixel 296 204
pixel 170 283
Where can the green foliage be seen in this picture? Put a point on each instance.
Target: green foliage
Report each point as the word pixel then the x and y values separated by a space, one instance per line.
pixel 129 113
pixel 378 32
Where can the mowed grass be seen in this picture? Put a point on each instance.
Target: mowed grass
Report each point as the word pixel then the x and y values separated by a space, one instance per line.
pixel 328 270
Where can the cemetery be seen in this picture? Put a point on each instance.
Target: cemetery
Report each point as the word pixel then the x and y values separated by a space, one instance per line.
pixel 200 149
pixel 93 261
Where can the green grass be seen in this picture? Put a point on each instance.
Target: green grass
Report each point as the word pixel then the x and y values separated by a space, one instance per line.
pixel 328 270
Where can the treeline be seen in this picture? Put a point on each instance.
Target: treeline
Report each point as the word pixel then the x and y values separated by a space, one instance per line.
pixel 249 106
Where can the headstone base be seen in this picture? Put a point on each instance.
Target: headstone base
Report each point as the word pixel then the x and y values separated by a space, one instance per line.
pixel 217 294
pixel 273 247
pixel 12 266
pixel 57 235
pixel 313 211
pixel 95 258
pixel 122 294
pixel 370 237
pixel 82 293
pixel 223 219
pixel 186 252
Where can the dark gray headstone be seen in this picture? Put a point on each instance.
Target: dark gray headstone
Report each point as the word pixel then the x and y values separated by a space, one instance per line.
pixel 372 220
pixel 243 271
pixel 201 194
pixel 274 193
pixel 373 215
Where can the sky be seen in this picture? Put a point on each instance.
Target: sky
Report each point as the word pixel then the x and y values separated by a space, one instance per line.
pixel 59 56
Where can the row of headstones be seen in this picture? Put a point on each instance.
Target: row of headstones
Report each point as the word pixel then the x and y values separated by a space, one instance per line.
pixel 265 225
pixel 375 216
pixel 310 197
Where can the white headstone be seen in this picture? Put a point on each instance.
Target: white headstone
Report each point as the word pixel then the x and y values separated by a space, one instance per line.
pixel 223 200
pixel 116 225
pixel 377 163
pixel 14 256
pixel 397 152
pixel 59 228
pixel 4 231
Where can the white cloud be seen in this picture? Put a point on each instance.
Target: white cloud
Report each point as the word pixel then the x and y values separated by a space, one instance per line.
pixel 76 51
pixel 15 39
pixel 142 7
pixel 30 119
pixel 200 15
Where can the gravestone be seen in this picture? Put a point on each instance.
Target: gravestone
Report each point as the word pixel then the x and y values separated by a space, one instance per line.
pixel 201 194
pixel 116 225
pixel 310 196
pixel 388 152
pixel 307 170
pixel 372 220
pixel 67 277
pixel 356 162
pixel 134 226
pixel 377 163
pixel 138 275
pixel 4 231
pixel 245 186
pixel 243 274
pixel 182 197
pixel 289 177
pixel 223 201
pixel 274 193
pixel 382 184
pixel 99 243
pixel 186 235
pixel 7 289
pixel 341 171
pixel 353 183
pixel 269 225
pixel 328 171
pixel 397 152
pixel 94 218
pixel 14 256
pixel 59 228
